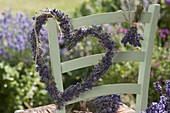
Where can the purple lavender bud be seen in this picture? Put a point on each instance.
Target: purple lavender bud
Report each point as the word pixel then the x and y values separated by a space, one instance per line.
pixel 158 87
pixel 1 36
pixel 2 51
pixel 163 99
pixel 163 106
pixel 167 83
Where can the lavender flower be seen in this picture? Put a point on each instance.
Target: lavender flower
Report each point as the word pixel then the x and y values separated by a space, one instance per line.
pixel 132 36
pixel 1 50
pixel 159 107
pixel 158 87
pixel 107 104
pixel 65 23
pixel 167 83
pixel 14 31
pixel 163 106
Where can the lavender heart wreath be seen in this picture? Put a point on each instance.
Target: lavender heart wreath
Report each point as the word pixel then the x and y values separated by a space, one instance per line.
pixel 72 37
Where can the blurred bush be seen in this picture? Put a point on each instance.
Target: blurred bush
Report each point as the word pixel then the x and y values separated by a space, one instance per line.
pixel 97 6
pixel 20 87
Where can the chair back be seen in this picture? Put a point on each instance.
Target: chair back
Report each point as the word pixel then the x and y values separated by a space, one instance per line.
pixel 144 56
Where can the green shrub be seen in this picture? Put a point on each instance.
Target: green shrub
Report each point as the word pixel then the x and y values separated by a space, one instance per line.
pixel 20 88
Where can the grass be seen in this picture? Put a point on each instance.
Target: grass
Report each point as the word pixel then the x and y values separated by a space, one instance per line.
pixel 31 6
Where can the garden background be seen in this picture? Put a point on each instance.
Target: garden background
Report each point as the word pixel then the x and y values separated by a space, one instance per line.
pixel 20 87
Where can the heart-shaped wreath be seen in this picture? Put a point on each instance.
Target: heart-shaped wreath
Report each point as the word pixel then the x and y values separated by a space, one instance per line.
pixel 72 37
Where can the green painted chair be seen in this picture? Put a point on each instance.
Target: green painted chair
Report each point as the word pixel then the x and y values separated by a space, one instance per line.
pixel 144 56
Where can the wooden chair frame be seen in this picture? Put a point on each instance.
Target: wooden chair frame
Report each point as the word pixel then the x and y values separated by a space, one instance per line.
pixel 144 56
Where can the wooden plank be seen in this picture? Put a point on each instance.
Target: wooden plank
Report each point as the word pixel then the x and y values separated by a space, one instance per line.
pixel 105 18
pixel 82 62
pixel 107 90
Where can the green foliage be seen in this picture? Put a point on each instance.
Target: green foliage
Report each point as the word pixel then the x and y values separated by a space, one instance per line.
pixel 164 14
pixel 97 6
pixel 20 87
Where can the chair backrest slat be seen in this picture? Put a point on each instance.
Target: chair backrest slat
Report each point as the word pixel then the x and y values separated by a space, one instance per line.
pixel 113 89
pixel 105 18
pixel 93 59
